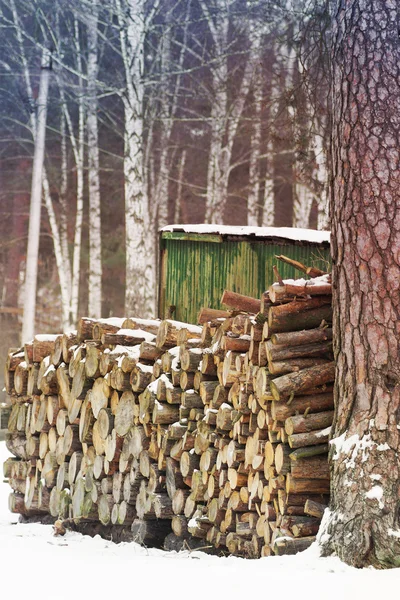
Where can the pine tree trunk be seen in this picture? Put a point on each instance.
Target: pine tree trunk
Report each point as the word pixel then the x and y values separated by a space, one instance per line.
pixel 363 525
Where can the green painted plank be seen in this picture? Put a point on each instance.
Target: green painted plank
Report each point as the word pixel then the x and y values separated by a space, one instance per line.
pixel 194 237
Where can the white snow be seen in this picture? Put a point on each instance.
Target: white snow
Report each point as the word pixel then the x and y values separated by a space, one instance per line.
pixel 383 447
pixel 137 333
pixel 376 493
pixel 116 321
pixel 288 233
pixel 49 369
pixel 188 326
pixel 323 279
pixel 46 337
pixel 394 533
pixel 324 432
pixel 344 445
pixel 118 569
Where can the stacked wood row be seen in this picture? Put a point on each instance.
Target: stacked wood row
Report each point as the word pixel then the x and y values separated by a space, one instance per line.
pixel 216 432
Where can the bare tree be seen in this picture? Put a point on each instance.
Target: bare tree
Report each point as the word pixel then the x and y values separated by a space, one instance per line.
pixel 140 277
pixel 28 326
pixel 225 114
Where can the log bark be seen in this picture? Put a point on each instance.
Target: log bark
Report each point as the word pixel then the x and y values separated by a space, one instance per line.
pixel 297 315
pixel 295 383
pixel 240 302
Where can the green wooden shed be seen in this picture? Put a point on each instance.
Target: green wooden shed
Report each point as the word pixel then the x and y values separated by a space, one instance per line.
pixel 199 261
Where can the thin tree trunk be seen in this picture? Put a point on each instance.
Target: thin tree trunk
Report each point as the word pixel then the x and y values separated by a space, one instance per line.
pixel 63 266
pixel 253 199
pixel 179 196
pixel 363 526
pixel 79 152
pixel 140 292
pixel 28 325
pixel 224 119
pixel 321 176
pixel 63 227
pixel 95 264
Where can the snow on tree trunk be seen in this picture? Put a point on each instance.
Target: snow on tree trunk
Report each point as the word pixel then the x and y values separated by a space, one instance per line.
pixel 363 525
pixel 95 264
pixel 28 325
pixel 140 292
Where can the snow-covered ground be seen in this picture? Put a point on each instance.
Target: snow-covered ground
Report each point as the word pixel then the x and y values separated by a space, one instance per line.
pixel 37 565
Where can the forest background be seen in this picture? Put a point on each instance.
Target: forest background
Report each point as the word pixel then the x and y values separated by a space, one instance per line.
pixel 158 112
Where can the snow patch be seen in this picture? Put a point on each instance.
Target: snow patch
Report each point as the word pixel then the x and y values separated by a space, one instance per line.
pixel 344 446
pixel 288 233
pixel 137 333
pixel 394 532
pixel 324 432
pixel 46 337
pixel 383 447
pixel 376 493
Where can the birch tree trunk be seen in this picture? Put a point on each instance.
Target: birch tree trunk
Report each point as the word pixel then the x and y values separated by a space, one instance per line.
pixel 63 227
pixel 268 213
pixel 253 198
pixel 168 108
pixel 140 292
pixel 321 176
pixel 95 264
pixel 363 525
pixel 28 325
pixel 78 147
pixel 179 195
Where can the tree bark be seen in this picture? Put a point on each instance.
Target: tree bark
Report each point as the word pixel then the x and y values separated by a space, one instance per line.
pixel 139 293
pixel 363 525
pixel 28 324
pixel 95 264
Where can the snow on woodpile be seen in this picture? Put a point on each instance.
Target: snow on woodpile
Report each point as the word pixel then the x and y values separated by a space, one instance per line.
pixel 288 233
pixel 179 435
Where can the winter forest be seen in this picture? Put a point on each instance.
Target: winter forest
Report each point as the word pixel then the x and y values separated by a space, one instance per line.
pixel 158 112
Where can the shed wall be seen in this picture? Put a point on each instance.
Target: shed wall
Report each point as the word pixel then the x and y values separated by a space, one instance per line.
pixel 194 274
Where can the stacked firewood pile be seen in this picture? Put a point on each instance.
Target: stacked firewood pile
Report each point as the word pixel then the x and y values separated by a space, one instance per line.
pixel 148 429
